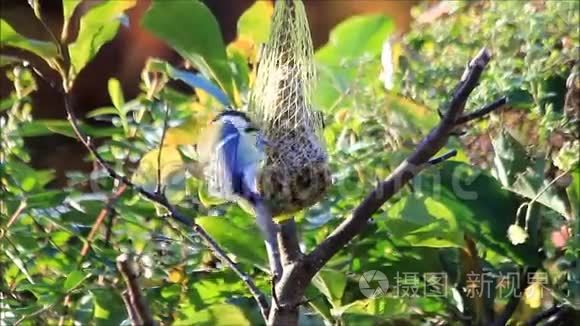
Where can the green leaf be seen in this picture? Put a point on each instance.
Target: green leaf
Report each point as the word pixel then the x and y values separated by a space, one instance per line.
pixel 421 221
pixel 356 37
pixel 516 172
pixel 47 127
pixel 109 307
pixel 116 93
pixel 9 37
pixel 332 284
pixel 192 30
pixel 107 110
pixel 510 159
pixel 172 173
pixel 255 22
pixel 68 8
pixel 369 310
pixel 5 61
pixel 483 208
pixel 73 280
pixel 97 27
pixel 218 314
pixel 241 242
pixel 343 57
pixel 520 99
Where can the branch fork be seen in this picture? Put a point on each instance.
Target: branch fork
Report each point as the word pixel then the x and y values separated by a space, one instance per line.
pixel 296 277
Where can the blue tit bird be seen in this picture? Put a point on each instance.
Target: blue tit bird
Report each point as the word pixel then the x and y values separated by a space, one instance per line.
pixel 232 150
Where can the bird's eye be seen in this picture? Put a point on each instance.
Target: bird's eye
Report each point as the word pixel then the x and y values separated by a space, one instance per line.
pixel 251 129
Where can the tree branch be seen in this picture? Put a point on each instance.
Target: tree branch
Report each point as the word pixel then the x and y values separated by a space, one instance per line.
pixel 137 306
pixel 288 242
pixel 544 315
pixel 294 281
pixel 478 114
pixel 418 160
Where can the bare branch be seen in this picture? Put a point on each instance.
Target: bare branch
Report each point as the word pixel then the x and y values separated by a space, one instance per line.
pixel 288 242
pixel 137 306
pixel 546 314
pixel 443 157
pixel 478 114
pixel 295 280
pixel 430 145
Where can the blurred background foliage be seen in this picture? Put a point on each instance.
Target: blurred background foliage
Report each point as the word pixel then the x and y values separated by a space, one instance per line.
pixel 508 200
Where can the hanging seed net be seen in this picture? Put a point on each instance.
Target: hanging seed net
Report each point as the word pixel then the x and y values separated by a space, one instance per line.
pixel 295 174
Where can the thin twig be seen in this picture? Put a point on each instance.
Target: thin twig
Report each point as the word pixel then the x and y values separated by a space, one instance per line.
pixel 137 304
pixel 130 309
pixel 443 157
pixel 16 214
pixel 158 189
pixel 478 114
pixel 105 211
pixel 220 253
pixel 543 315
pixel 226 260
pixel 109 226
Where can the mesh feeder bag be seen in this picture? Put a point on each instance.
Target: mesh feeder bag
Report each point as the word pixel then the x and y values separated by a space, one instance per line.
pixel 295 174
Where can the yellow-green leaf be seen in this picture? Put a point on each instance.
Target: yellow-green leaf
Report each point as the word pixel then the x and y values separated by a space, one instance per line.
pixel 192 30
pixel 116 93
pixel 240 242
pixel 97 27
pixel 254 24
pixel 172 173
pixel 10 37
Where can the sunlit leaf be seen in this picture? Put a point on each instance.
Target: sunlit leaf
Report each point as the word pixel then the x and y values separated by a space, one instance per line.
pixel 109 307
pixel 332 284
pixel 468 192
pixel 191 29
pixel 172 173
pixel 116 93
pixel 62 127
pixel 355 37
pixel 73 280
pixel 97 27
pixel 218 314
pixel 9 37
pixel 254 23
pixel 241 242
pixel 68 8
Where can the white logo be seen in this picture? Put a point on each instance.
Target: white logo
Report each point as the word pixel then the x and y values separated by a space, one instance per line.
pixel 372 290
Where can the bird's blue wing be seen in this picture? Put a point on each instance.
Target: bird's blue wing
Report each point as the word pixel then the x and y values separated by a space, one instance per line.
pixel 227 176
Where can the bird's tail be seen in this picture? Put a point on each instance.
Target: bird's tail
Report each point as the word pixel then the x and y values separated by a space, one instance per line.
pixel 270 231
